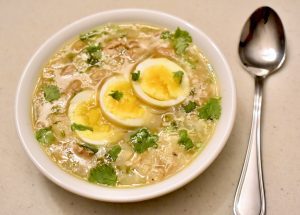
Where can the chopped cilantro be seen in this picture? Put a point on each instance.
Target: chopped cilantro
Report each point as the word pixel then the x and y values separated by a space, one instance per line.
pixel 192 92
pixel 180 40
pixel 80 127
pixel 51 93
pixel 103 174
pixel 91 147
pixel 91 34
pixel 117 95
pixel 185 140
pixel 189 107
pixel 211 110
pixel 88 35
pixel 114 152
pixel 166 35
pixel 45 136
pixel 143 139
pixel 94 53
pixel 63 134
pixel 135 75
pixel 178 76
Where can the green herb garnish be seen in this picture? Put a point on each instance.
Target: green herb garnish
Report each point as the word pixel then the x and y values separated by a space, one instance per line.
pixel 45 136
pixel 180 40
pixel 189 107
pixel 178 76
pixel 135 75
pixel 114 152
pixel 185 140
pixel 211 110
pixel 80 127
pixel 51 93
pixel 166 35
pixel 94 53
pixel 103 174
pixel 90 147
pixel 117 95
pixel 143 139
pixel 88 35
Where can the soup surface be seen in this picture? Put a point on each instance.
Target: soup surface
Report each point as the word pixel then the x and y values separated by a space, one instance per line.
pixel 125 105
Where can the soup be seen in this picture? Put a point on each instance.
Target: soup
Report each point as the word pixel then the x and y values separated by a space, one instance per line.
pixel 126 105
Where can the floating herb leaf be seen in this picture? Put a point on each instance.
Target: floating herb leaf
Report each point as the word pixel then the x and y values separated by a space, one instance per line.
pixel 51 93
pixel 189 107
pixel 135 75
pixel 94 53
pixel 45 136
pixel 103 174
pixel 114 152
pixel 211 110
pixel 180 40
pixel 178 76
pixel 117 95
pixel 143 139
pixel 185 140
pixel 80 127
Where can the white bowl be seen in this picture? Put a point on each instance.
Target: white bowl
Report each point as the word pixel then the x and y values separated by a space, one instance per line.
pixel 83 188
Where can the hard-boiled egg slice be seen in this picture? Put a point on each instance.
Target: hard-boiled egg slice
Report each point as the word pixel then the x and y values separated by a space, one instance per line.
pixel 85 111
pixel 161 83
pixel 120 104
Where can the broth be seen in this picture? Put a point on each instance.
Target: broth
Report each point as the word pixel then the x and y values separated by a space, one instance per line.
pixel 126 105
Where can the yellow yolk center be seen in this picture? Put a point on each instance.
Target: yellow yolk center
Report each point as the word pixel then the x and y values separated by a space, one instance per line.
pixel 159 83
pixel 128 106
pixel 88 114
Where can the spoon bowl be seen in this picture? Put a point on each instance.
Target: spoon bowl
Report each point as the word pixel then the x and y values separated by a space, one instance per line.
pixel 262 45
pixel 262 51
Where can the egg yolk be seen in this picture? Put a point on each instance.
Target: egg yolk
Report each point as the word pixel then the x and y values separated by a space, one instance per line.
pixel 159 83
pixel 126 107
pixel 88 114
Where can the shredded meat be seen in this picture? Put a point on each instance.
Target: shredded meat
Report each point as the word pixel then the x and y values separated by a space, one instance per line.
pixel 68 70
pixel 73 87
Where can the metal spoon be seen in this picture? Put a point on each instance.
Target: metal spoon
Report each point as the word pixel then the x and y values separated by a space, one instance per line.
pixel 262 52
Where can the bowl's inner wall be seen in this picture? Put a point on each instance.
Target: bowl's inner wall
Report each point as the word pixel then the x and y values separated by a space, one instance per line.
pixel 30 75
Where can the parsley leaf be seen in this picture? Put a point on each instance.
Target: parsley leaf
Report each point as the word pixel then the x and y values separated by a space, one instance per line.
pixel 180 40
pixel 94 53
pixel 80 127
pixel 51 93
pixel 91 147
pixel 178 76
pixel 143 139
pixel 114 152
pixel 189 107
pixel 117 95
pixel 103 174
pixel 91 34
pixel 45 136
pixel 135 75
pixel 185 140
pixel 166 35
pixel 88 35
pixel 211 110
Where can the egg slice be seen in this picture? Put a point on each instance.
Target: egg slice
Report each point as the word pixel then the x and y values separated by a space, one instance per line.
pixel 120 104
pixel 83 110
pixel 161 83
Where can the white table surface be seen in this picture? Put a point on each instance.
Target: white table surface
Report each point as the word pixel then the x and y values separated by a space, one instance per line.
pixel 25 25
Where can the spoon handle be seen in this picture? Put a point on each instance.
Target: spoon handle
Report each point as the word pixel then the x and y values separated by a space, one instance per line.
pixel 250 197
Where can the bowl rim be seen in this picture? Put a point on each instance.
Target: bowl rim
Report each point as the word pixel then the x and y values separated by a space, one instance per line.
pixel 79 186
